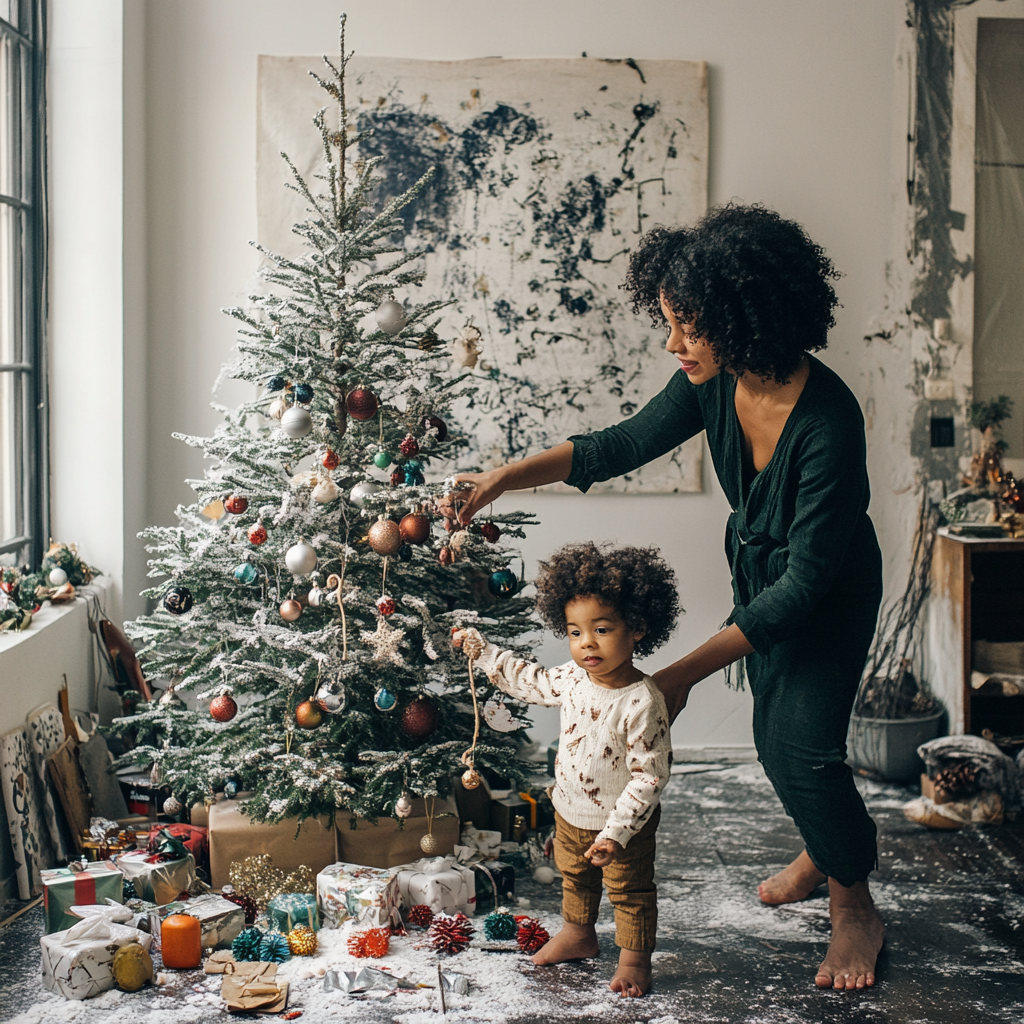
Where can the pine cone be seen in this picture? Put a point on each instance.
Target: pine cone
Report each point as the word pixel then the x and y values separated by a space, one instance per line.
pixel 450 934
pixel 500 926
pixel 373 942
pixel 274 948
pixel 247 944
pixel 958 780
pixel 532 935
pixel 420 916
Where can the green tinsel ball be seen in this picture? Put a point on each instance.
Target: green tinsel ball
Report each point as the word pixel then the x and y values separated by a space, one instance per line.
pixel 274 948
pixel 500 926
pixel 247 946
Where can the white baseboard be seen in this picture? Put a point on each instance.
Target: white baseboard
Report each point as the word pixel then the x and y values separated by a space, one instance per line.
pixel 739 754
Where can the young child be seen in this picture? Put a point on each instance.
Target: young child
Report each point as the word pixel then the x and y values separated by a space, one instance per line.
pixel 613 750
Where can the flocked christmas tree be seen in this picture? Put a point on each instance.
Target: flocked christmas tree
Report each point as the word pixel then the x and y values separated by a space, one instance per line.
pixel 311 619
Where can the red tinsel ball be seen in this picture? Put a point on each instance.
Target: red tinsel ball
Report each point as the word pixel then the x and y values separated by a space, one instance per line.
pixel 415 528
pixel 330 460
pixel 419 719
pixel 420 916
pixel 257 534
pixel 491 532
pixel 531 935
pixel 373 942
pixel 409 446
pixel 223 708
pixel 247 903
pixel 361 404
pixel 236 504
pixel 450 934
pixel 397 478
pixel 438 424
pixel 386 605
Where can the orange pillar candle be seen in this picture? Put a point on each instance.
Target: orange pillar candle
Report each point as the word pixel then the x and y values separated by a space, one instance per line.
pixel 181 941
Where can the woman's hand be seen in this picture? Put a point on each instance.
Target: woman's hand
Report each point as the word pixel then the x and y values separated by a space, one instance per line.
pixel 675 687
pixel 487 487
pixel 603 852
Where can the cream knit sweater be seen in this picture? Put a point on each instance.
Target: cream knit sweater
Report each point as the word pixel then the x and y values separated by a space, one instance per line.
pixel 613 749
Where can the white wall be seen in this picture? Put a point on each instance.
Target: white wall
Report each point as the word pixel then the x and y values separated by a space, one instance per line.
pixel 804 115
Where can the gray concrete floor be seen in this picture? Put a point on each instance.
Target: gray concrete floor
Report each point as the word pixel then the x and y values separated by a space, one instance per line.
pixel 952 902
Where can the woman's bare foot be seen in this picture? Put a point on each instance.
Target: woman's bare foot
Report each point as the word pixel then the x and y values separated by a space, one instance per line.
pixel 632 977
pixel 857 937
pixel 573 942
pixel 793 883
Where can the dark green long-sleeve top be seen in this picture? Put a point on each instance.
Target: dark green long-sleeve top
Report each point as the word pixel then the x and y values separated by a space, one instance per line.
pixel 801 547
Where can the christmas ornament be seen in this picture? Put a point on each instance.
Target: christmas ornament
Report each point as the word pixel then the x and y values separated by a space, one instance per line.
pixel 414 478
pixel 257 534
pixel 411 466
pixel 466 348
pixel 502 584
pixel 370 942
pixel 246 945
pixel 405 553
pixel 419 718
pixel 300 559
pixel 409 446
pixel 390 317
pixel 544 874
pixel 231 789
pixel 361 491
pixel 383 459
pixel 397 477
pixel 361 404
pixel 420 916
pixel 247 903
pixel 236 504
pixel 326 491
pixel 491 532
pixel 437 424
pixel 498 717
pixel 308 715
pixel 246 573
pixel 257 877
pixel 500 926
pixel 58 577
pixel 132 967
pixel 278 407
pixel 384 699
pixel 385 605
pixel 385 537
pixel 274 948
pixel 459 542
pixel 403 806
pixel 303 393
pixel 276 384
pixel 331 696
pixel 450 933
pixel 290 610
pixel 316 596
pixel 172 806
pixel 297 422
pixel 428 843
pixel 223 708
pixel 178 600
pixel 445 556
pixel 415 528
pixel 302 940
pixel 471 778
pixel 330 460
pixel 531 935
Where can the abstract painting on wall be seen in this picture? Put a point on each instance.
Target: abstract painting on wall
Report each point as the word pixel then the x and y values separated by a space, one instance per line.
pixel 546 173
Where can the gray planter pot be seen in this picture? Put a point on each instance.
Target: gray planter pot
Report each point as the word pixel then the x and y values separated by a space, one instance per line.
pixel 888 746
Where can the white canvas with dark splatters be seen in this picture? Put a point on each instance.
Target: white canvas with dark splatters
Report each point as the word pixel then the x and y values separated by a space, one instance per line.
pixel 546 174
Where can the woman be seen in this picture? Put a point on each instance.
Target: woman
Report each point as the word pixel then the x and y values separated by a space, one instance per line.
pixel 746 297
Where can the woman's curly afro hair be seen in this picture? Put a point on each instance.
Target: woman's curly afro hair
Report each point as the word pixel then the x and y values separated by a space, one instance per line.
pixel 754 285
pixel 637 582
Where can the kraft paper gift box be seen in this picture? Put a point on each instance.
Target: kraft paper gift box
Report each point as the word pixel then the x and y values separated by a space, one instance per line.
pixel 221 920
pixel 79 884
pixel 389 844
pixel 442 883
pixel 290 909
pixel 77 962
pixel 156 880
pixel 233 837
pixel 366 896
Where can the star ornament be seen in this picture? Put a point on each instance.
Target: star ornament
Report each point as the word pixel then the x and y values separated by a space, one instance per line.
pixel 385 642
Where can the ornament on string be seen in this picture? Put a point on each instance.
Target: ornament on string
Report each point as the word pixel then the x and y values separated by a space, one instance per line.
pixel 403 806
pixel 428 842
pixel 405 553
pixel 502 584
pixel 420 916
pixel 446 556
pixel 330 459
pixel 384 699
pixel 438 425
pixel 297 422
pixel 223 708
pixel 300 559
pixel 499 718
pixel 358 495
pixel 385 605
pixel 331 695
pixel 278 407
pixel 362 404
pixel 236 504
pixel 419 718
pixel 257 534
pixel 317 596
pixel 370 942
pixel 415 528
pixel 291 610
pixel 383 459
pixel 531 935
pixel 390 316
pixel 308 715
pixel 178 600
pixel 491 532
pixel 409 446
pixel 500 926
pixel 302 940
pixel 246 573
pixel 466 348
pixel 471 779
pixel 385 536
pixel 172 806
pixel 459 543
pixel 231 789
pixel 276 383
pixel 450 933
pixel 246 945
pixel 326 491
pixel 303 393
pixel 274 948
pixel 247 903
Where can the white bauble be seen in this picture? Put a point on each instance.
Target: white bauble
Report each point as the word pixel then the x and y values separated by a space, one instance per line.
pixel 362 491
pixel 315 596
pixel 403 807
pixel 297 422
pixel 391 317
pixel 331 696
pixel 172 806
pixel 58 577
pixel 277 409
pixel 326 491
pixel 300 559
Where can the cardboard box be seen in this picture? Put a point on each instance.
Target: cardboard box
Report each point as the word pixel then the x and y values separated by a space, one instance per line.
pixel 388 843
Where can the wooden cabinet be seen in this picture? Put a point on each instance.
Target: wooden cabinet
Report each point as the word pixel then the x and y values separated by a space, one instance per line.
pixel 977 594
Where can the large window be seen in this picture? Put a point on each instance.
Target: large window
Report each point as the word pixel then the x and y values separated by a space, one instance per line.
pixel 23 460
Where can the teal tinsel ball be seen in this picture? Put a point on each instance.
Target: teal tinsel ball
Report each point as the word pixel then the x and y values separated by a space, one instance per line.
pixel 303 393
pixel 413 478
pixel 246 573
pixel 274 948
pixel 382 460
pixel 248 944
pixel 502 583
pixel 128 890
pixel 500 926
pixel 384 699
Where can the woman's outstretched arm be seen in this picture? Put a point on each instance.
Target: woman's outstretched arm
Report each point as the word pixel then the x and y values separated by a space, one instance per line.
pixel 676 681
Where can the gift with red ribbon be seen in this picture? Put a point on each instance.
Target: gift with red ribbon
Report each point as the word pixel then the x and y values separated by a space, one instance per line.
pixel 79 884
pixel 194 838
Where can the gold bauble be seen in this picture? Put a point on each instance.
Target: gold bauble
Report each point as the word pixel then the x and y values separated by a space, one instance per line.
pixel 471 778
pixel 428 843
pixel 290 610
pixel 385 537
pixel 308 715
pixel 302 940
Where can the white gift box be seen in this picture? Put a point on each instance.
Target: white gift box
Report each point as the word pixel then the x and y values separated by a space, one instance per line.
pixel 441 883
pixel 77 962
pixel 353 892
pixel 155 880
pixel 485 842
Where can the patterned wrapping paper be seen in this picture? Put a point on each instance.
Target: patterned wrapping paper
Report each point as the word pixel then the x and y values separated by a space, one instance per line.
pixel 155 880
pixel 366 896
pixel 290 909
pixel 441 883
pixel 64 888
pixel 495 883
pixel 23 801
pixel 221 920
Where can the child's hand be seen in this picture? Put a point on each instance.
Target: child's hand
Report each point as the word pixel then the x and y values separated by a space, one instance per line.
pixel 470 640
pixel 603 852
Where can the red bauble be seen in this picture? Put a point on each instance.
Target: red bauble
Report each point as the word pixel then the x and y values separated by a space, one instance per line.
pixel 409 446
pixel 362 404
pixel 415 527
pixel 330 460
pixel 419 719
pixel 386 605
pixel 223 708
pixel 236 504
pixel 257 534
pixel 420 916
pixel 397 478
pixel 438 424
pixel 531 935
pixel 491 532
pixel 446 556
pixel 308 715
pixel 450 934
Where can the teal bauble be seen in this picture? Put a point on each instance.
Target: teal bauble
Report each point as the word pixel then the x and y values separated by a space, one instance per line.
pixel 383 459
pixel 247 943
pixel 502 584
pixel 274 948
pixel 246 573
pixel 500 926
pixel 384 699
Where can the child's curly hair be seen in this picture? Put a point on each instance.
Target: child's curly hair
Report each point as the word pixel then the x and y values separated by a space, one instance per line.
pixel 637 582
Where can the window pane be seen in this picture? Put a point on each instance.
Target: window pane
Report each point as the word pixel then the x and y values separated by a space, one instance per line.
pixel 11 285
pixel 7 152
pixel 8 458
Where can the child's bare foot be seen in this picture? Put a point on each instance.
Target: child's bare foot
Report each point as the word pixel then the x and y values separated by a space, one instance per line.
pixel 573 942
pixel 632 977
pixel 793 883
pixel 857 937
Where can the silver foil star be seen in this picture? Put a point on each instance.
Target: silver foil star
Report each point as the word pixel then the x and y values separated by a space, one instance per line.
pixel 384 642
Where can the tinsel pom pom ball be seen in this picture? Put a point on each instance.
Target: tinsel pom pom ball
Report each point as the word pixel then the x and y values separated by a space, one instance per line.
pixel 385 605
pixel 502 584
pixel 358 495
pixel 290 610
pixel 415 528
pixel 491 532
pixel 303 393
pixel 236 504
pixel 178 600
pixel 223 708
pixel 300 559
pixel 397 477
pixel 409 446
pixel 257 534
pixel 419 718
pixel 383 459
pixel 362 404
pixel 500 926
pixel 246 573
pixel 274 948
pixel 297 422
pixel 531 935
pixel 246 945
pixel 450 934
pixel 308 715
pixel 420 916
pixel 413 477
pixel 370 942
pixel 330 459
pixel 385 537
pixel 390 316
pixel 438 424
pixel 302 940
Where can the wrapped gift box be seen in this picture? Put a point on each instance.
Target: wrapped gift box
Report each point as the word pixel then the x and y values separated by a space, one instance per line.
pixel 442 883
pixel 366 896
pixel 389 843
pixel 495 884
pixel 79 885
pixel 195 838
pixel 484 842
pixel 221 920
pixel 290 909
pixel 156 880
pixel 77 962
pixel 504 813
pixel 233 837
